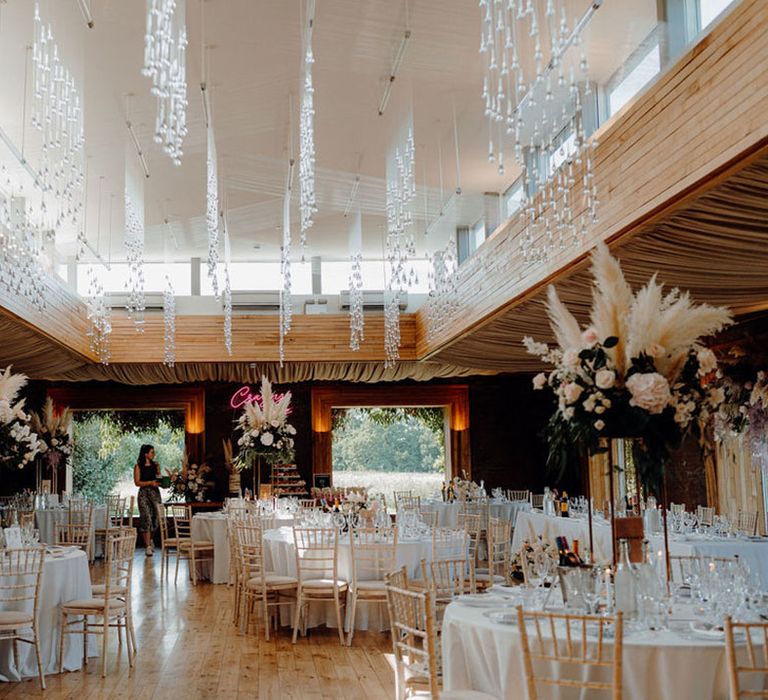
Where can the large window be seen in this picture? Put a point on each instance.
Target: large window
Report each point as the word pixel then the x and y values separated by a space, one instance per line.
pixel 116 278
pixel 259 277
pixel 513 198
pixel 389 449
pixel 648 66
pixel 709 10
pixel 335 275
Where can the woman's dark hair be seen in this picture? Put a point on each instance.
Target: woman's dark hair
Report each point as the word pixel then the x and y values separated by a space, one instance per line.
pixel 143 455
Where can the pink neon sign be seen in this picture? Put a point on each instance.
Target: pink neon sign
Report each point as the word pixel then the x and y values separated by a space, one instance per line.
pixel 244 395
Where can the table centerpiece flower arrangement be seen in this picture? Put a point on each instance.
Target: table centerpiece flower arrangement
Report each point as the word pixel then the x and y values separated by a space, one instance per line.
pixel 19 444
pixel 52 429
pixel 639 370
pixel 188 483
pixel 745 408
pixel 266 432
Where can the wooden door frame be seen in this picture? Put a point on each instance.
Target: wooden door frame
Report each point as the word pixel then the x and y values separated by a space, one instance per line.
pixel 454 398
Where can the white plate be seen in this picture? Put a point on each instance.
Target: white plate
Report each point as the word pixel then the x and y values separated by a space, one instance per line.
pixel 483 600
pixel 502 617
pixel 707 631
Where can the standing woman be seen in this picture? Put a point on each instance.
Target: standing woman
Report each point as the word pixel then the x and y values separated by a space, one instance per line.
pixel 146 474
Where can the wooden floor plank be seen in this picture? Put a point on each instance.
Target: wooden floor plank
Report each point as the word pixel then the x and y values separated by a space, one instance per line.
pixel 190 650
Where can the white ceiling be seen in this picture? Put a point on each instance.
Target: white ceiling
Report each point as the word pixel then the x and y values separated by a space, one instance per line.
pixel 254 57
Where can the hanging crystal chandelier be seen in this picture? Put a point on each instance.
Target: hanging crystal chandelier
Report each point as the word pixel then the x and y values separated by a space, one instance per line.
pixel 212 211
pixel 356 318
pixel 165 62
pixel 400 244
pixel 227 294
pixel 443 290
pixel 21 271
pixel 286 299
pixel 134 250
pixel 57 114
pixel 99 318
pixel 169 323
pixel 539 105
pixel 307 205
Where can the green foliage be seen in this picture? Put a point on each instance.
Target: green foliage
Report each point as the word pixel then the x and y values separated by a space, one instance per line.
pixel 106 448
pixel 388 440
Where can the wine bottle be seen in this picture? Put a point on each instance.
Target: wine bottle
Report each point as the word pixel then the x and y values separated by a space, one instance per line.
pixel 564 505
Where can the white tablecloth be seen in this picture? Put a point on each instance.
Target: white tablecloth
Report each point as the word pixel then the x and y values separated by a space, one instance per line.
pixel 280 557
pixel 64 578
pixel 485 656
pixel 47 518
pixel 534 524
pixel 212 527
pixel 448 513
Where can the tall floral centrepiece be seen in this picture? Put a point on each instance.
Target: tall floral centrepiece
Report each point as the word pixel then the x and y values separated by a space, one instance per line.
pixel 19 445
pixel 266 432
pixel 638 370
pixel 56 445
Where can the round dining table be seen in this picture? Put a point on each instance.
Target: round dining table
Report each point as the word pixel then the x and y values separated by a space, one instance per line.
pixel 65 577
pixel 671 664
pixel 280 558
pixel 448 512
pixel 46 520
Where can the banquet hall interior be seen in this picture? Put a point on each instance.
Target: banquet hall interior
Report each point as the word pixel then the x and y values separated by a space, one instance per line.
pixel 366 349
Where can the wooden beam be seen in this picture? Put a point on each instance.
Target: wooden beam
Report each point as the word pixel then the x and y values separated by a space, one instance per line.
pixel 703 119
pixel 256 339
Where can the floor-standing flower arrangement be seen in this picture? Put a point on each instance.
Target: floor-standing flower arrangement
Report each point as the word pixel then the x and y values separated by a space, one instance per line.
pixel 188 483
pixel 638 370
pixel 52 428
pixel 265 429
pixel 745 409
pixel 19 444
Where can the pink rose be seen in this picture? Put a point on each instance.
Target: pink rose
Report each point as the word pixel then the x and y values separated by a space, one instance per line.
pixel 605 378
pixel 589 336
pixel 540 381
pixel 707 361
pixel 572 391
pixel 650 391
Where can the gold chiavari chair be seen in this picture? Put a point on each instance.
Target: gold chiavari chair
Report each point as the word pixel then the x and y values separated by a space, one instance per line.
pixel 187 548
pixel 408 503
pixel 78 530
pixel 308 503
pixel 677 508
pixel 115 515
pixel 168 543
pixel 373 553
pixel 705 515
pixel 27 518
pixel 537 501
pixel 398 578
pixel 110 608
pixel 449 543
pixel 518 495
pixel 397 495
pixel 682 565
pixel 499 566
pixel 745 523
pixel 755 649
pixel 20 572
pixel 416 651
pixel 317 556
pixel 471 524
pixel 428 517
pixel 257 585
pixel 446 580
pixel 553 642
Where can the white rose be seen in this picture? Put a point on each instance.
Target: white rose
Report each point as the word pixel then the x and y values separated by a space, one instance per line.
pixel 572 391
pixel 267 439
pixel 291 430
pixel 599 409
pixel 650 391
pixel 275 424
pixel 599 425
pixel 589 404
pixel 540 381
pixel 589 336
pixel 605 378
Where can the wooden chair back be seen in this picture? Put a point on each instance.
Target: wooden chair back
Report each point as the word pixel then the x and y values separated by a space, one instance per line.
pixel 27 518
pixel 428 517
pixel 408 503
pixel 448 543
pixel 250 550
pixel 317 552
pixel 518 494
pixel 412 626
pixel 308 503
pixel 754 667
pixel 683 566
pixel 162 519
pixel 373 553
pixel 537 500
pixel 677 508
pixel 499 543
pixel 746 523
pixel 181 517
pixel 445 578
pixel 705 515
pixel 115 510
pixel 398 578
pixel 118 562
pixel 551 641
pixel 20 574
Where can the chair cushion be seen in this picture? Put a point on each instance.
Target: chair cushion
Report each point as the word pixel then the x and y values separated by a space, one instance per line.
pixel 273 580
pixel 197 544
pixel 322 584
pixel 13 618
pixel 486 578
pixel 92 604
pixel 371 589
pixel 97 589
